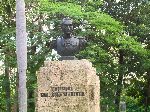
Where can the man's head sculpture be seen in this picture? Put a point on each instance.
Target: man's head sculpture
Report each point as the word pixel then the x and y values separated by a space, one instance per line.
pixel 67 45
pixel 67 26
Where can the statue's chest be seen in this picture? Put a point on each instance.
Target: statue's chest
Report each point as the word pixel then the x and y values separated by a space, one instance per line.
pixel 69 43
pixel 67 46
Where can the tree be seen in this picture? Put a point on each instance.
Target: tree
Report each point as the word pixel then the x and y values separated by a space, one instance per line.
pixel 21 48
pixel 7 50
pixel 134 15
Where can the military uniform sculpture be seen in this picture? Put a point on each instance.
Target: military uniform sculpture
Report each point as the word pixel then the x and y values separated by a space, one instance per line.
pixel 67 45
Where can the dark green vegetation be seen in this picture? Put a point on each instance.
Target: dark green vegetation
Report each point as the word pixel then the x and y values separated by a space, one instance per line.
pixel 118 35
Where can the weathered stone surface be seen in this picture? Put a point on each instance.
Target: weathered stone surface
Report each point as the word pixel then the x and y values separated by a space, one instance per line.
pixel 67 86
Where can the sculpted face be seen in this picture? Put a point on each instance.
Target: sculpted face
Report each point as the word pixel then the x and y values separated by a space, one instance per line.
pixel 67 26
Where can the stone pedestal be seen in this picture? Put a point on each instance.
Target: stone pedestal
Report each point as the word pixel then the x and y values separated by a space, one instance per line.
pixel 68 86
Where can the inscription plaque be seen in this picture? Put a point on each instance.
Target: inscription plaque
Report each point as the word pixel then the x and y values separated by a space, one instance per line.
pixel 62 91
pixel 67 86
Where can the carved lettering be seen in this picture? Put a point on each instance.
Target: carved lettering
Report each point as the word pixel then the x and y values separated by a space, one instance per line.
pixel 61 88
pixel 44 94
pixel 65 93
pixel 62 91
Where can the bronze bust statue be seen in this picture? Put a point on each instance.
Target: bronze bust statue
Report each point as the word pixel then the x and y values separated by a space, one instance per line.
pixel 67 44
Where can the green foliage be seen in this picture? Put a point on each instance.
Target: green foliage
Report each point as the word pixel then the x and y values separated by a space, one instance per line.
pixel 64 8
pixel 134 14
pixel 105 35
pixel 133 106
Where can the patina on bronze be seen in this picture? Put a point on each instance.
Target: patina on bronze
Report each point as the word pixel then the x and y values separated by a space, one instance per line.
pixel 68 44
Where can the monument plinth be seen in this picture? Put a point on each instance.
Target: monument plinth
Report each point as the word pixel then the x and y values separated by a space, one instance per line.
pixel 68 86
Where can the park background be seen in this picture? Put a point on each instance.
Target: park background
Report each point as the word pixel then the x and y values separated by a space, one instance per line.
pixel 118 35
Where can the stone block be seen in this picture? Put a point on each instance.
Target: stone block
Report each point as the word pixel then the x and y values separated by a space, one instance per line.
pixel 67 86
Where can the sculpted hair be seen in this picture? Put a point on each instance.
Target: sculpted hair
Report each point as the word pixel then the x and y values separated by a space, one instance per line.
pixel 66 19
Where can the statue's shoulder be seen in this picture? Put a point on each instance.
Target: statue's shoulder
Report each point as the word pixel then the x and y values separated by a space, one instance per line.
pixel 82 42
pixel 80 37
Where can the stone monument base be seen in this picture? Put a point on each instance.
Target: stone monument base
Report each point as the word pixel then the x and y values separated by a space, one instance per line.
pixel 67 58
pixel 68 86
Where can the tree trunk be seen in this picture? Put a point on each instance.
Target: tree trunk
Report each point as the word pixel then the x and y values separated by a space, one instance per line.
pixel 21 49
pixel 148 85
pixel 119 82
pixel 147 97
pixel 7 84
pixel 15 108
